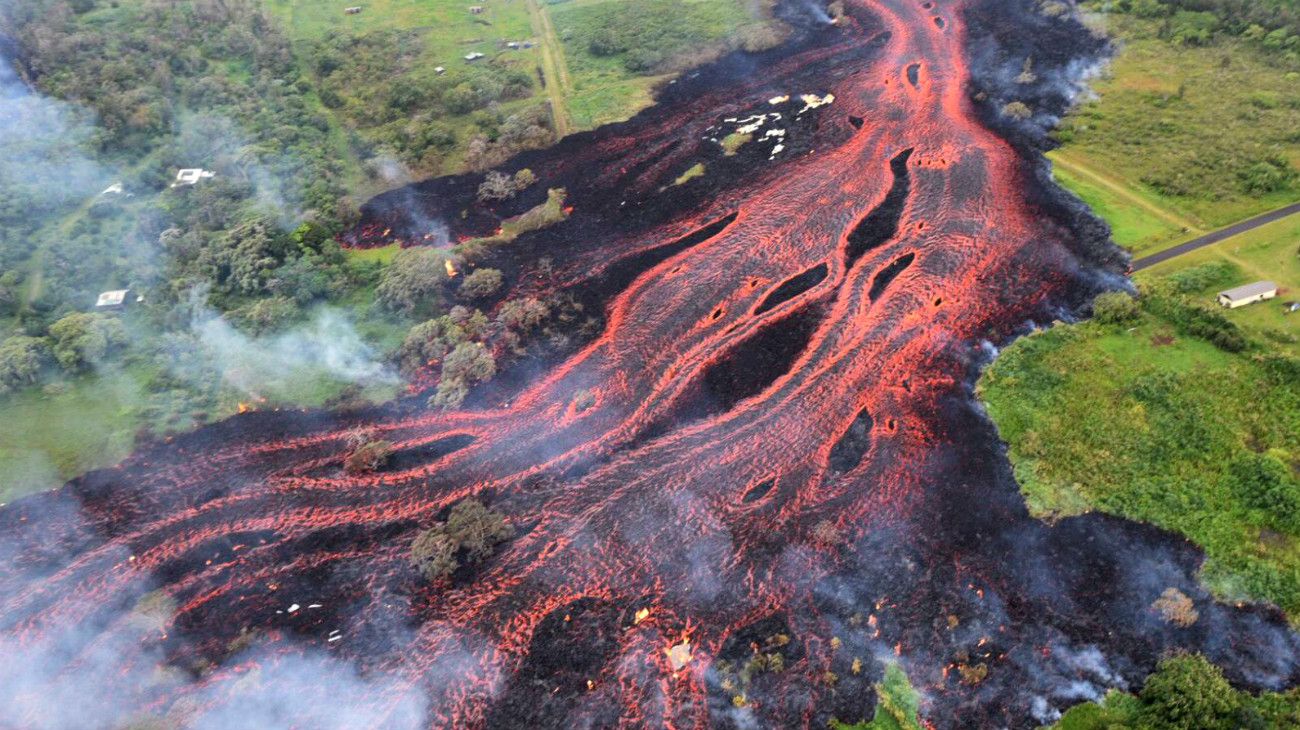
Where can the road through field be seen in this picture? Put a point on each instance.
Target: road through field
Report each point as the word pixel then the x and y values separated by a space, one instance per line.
pixel 1216 236
pixel 555 73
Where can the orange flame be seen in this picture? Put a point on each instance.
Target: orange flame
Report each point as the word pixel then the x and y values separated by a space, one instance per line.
pixel 451 268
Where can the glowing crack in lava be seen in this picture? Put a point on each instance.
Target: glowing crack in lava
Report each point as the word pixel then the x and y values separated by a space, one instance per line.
pixel 782 448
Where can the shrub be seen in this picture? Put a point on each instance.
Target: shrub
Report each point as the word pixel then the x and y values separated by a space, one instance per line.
pixel 84 338
pixel 1017 110
pixel 433 553
pixel 370 456
pixel 21 360
pixel 413 281
pixel 1189 693
pixel 427 342
pixel 480 284
pixel 471 530
pixel 1114 307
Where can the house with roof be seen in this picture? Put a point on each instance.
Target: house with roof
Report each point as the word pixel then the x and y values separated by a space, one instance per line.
pixel 1247 294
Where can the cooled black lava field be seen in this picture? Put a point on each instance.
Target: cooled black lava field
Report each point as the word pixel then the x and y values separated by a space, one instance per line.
pixel 783 444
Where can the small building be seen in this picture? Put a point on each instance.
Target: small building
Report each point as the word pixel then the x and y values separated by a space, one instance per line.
pixel 476 10
pixel 114 189
pixel 116 299
pixel 191 176
pixel 472 57
pixel 512 45
pixel 352 10
pixel 1248 294
pixel 439 70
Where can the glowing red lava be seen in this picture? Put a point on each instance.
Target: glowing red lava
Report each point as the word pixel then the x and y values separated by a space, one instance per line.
pixel 782 444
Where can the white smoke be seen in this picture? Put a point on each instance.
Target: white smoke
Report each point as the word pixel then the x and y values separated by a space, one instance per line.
pixel 328 345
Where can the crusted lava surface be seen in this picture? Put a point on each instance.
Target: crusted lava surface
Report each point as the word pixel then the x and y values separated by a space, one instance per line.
pixel 783 442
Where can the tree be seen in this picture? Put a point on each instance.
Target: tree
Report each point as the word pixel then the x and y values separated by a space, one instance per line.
pixel 433 553
pixel 84 338
pixel 1189 693
pixel 471 529
pixel 1017 110
pixel 524 314
pixel 368 457
pixel 477 529
pixel 21 360
pixel 469 363
pixel 414 280
pixel 500 186
pixel 480 284
pixel 428 341
pixel 1114 307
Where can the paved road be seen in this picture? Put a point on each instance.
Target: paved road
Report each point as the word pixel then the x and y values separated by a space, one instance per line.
pixel 1216 236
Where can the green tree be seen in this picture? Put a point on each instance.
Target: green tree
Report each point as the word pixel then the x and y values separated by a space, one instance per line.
pixel 414 281
pixel 480 284
pixel 1114 307
pixel 1189 693
pixel 85 338
pixel 477 529
pixel 21 360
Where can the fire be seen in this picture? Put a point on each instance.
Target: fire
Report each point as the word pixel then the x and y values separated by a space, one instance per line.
pixel 245 407
pixel 641 615
pixel 451 268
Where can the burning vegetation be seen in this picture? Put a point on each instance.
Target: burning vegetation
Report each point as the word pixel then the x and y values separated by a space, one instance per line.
pixel 755 486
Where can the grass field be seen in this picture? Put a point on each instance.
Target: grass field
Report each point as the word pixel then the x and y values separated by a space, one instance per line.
pixel 50 438
pixel 605 89
pixel 1172 132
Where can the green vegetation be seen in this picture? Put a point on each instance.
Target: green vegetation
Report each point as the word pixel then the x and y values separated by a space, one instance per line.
pixel 617 50
pixel 1186 693
pixel 1194 126
pixel 696 170
pixel 897 704
pixel 1170 413
pixel 470 535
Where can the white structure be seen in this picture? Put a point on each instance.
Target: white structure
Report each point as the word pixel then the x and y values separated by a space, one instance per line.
pixel 1248 294
pixel 439 70
pixel 471 57
pixel 116 299
pixel 191 175
pixel 114 189
pixel 352 10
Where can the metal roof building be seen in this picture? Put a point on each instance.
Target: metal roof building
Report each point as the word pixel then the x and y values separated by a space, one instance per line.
pixel 1248 294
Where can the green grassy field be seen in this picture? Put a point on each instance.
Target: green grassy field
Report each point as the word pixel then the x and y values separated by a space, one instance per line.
pixel 47 438
pixel 1174 129
pixel 663 36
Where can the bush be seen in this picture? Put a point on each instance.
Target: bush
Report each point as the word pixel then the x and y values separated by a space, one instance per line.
pixel 21 361
pixel 471 530
pixel 469 363
pixel 414 280
pixel 368 457
pixel 480 284
pixel 85 338
pixel 1189 693
pixel 428 342
pixel 1114 307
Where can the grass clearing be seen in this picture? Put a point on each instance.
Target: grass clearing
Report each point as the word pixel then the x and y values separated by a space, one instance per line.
pixel 617 51
pixel 1181 127
pixel 48 437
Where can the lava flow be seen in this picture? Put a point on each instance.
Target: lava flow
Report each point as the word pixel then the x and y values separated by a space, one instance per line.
pixel 783 452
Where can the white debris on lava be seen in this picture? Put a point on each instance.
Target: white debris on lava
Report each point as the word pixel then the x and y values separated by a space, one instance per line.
pixel 812 101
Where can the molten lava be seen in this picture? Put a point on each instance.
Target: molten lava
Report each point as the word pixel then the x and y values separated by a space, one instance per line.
pixel 780 456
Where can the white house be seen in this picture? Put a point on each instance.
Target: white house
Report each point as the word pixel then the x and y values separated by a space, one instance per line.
pixel 116 299
pixel 1248 294
pixel 191 176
